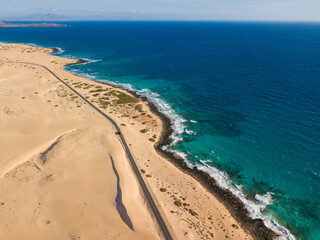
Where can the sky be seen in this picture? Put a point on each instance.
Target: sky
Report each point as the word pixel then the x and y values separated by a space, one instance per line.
pixel 270 10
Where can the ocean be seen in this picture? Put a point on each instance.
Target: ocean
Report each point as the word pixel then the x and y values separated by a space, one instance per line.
pixel 244 99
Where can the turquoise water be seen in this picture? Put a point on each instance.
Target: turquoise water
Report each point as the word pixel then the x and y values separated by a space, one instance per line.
pixel 244 97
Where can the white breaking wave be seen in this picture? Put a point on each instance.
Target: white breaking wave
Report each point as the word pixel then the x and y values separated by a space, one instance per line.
pixel 78 72
pixel 193 121
pixel 265 199
pixel 87 61
pixel 190 132
pixel 59 50
pixel 176 120
pixel 254 209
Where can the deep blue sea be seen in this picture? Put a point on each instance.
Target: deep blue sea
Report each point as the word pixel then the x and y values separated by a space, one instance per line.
pixel 244 98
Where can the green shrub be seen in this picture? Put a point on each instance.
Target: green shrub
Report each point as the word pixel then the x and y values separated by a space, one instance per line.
pixel 193 213
pixel 235 226
pixel 138 108
pixel 144 130
pixel 178 203
pixel 123 98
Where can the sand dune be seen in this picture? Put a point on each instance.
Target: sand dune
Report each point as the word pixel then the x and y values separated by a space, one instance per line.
pixel 71 195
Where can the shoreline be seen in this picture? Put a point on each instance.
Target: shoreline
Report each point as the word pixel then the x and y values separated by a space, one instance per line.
pixel 235 206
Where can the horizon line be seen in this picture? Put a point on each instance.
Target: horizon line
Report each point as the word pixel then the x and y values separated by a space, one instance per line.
pixel 165 20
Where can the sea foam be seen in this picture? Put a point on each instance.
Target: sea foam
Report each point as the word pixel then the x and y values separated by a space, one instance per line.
pixel 59 50
pixel 88 60
pixel 255 209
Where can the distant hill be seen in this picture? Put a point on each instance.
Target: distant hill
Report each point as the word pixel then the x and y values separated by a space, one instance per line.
pixel 43 17
pixel 2 24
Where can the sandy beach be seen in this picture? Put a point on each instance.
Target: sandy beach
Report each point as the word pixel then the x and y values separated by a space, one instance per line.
pixel 57 178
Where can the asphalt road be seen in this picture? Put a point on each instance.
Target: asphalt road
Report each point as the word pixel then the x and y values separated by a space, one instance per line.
pixel 151 203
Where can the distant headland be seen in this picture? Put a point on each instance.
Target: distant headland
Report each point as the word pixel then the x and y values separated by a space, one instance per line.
pixel 2 24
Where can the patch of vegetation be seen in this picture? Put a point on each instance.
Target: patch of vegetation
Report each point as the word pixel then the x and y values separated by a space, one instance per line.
pixel 36 93
pixel 163 189
pixel 103 104
pixel 193 213
pixel 122 124
pixel 178 203
pixel 143 171
pixel 144 130
pixel 123 98
pixel 138 107
pixel 97 90
pixel 95 95
pixel 152 140
pixel 149 175
pixel 235 226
